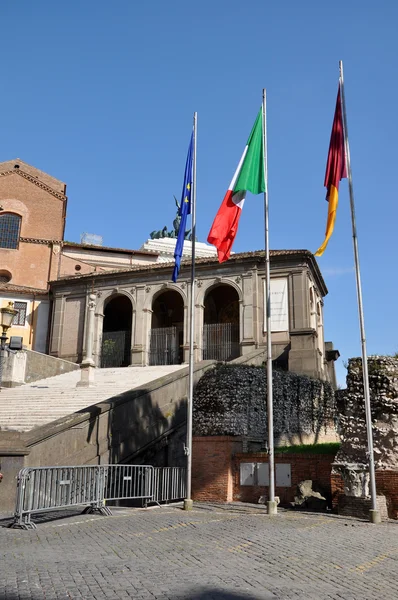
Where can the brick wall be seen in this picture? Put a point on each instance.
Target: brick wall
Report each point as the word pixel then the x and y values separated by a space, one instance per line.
pixel 212 479
pixel 386 485
pixel 216 476
pixel 32 264
pixel 316 467
pixel 216 469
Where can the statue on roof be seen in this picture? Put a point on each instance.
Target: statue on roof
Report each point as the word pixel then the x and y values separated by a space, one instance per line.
pixel 164 233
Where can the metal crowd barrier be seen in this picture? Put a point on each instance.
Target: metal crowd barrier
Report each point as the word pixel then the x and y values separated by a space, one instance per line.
pixel 128 482
pixel 169 484
pixel 41 489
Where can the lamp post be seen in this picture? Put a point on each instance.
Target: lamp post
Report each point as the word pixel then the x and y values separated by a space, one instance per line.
pixel 6 317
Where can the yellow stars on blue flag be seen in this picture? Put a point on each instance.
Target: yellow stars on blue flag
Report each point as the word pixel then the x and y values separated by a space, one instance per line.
pixel 184 210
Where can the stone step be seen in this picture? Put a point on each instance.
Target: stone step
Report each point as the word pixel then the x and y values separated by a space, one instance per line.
pixel 38 403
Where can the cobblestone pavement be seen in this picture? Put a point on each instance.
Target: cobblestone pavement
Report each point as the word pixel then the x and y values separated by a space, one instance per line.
pixel 214 552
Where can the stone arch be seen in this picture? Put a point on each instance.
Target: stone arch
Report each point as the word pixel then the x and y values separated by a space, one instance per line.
pixel 202 290
pixel 117 329
pixel 103 298
pixel 221 321
pixel 166 335
pixel 148 304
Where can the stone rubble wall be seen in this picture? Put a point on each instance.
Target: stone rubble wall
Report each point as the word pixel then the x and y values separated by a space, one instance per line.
pixel 383 384
pixel 350 475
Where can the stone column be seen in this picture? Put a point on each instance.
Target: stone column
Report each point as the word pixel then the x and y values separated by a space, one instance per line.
pixel 139 334
pixel 87 366
pixel 247 314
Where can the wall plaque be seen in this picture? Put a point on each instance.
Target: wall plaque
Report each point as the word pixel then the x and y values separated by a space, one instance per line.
pixel 279 305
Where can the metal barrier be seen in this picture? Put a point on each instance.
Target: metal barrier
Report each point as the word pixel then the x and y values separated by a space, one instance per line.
pixel 41 489
pixel 169 483
pixel 128 482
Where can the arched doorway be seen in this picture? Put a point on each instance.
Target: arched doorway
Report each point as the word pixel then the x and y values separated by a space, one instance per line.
pixel 116 332
pixel 167 329
pixel 221 324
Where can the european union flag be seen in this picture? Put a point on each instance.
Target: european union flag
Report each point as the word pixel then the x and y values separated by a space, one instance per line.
pixel 184 210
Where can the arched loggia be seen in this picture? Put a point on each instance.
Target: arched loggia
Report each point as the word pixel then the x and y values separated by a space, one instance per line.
pixel 116 332
pixel 167 329
pixel 221 324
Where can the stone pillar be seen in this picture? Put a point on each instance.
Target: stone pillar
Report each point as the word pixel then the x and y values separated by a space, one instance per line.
pixel 141 326
pixel 87 366
pixel 57 326
pixel 304 354
pixel 198 343
pixel 246 314
pixel 98 331
pixel 199 321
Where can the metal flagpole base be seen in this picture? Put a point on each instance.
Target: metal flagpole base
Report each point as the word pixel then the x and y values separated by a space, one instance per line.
pixel 272 507
pixel 375 517
pixel 188 504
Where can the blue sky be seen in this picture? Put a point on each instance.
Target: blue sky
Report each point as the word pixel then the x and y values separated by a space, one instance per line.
pixel 101 95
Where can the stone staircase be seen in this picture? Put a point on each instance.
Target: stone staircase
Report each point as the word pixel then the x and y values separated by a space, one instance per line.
pixel 28 406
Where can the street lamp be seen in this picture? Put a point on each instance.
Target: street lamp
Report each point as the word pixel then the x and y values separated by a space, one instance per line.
pixel 7 315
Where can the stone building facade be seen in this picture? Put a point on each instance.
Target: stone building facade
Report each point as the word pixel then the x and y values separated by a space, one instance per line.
pixel 32 223
pixel 142 318
pixel 33 250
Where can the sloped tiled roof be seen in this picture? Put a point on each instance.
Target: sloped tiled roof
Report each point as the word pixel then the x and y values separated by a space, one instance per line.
pixel 21 289
pixel 257 255
pixel 199 261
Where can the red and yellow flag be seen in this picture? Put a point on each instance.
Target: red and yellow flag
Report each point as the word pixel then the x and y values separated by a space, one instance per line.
pixel 335 170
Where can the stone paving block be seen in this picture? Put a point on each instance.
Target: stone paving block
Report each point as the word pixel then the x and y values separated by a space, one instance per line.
pixel 213 552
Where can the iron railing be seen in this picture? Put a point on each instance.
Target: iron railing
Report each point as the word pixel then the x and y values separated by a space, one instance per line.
pixel 115 351
pixel 221 341
pixel 41 489
pixel 164 346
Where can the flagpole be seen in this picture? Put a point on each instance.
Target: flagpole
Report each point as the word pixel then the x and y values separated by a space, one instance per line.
pixel 271 504
pixel 374 513
pixel 188 503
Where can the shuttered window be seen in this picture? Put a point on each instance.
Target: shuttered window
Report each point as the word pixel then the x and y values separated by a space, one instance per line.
pixel 20 318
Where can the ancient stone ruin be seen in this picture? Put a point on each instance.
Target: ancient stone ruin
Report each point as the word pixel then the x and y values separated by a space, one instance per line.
pixel 351 462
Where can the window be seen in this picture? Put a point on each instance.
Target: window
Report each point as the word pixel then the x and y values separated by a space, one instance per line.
pixel 5 276
pixel 20 318
pixel 9 230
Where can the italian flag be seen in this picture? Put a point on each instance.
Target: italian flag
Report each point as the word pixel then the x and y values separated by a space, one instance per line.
pixel 249 176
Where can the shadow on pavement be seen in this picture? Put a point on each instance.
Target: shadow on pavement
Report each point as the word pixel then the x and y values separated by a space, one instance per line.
pixel 46 517
pixel 205 594
pixel 213 594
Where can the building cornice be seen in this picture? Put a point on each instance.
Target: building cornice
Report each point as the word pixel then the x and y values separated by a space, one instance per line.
pixel 39 241
pixel 35 181
pixel 202 264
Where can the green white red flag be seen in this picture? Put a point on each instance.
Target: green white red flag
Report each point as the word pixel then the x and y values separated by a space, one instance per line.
pixel 249 176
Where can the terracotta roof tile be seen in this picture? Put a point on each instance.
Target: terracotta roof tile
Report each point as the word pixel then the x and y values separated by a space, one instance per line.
pixel 186 262
pixel 21 289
